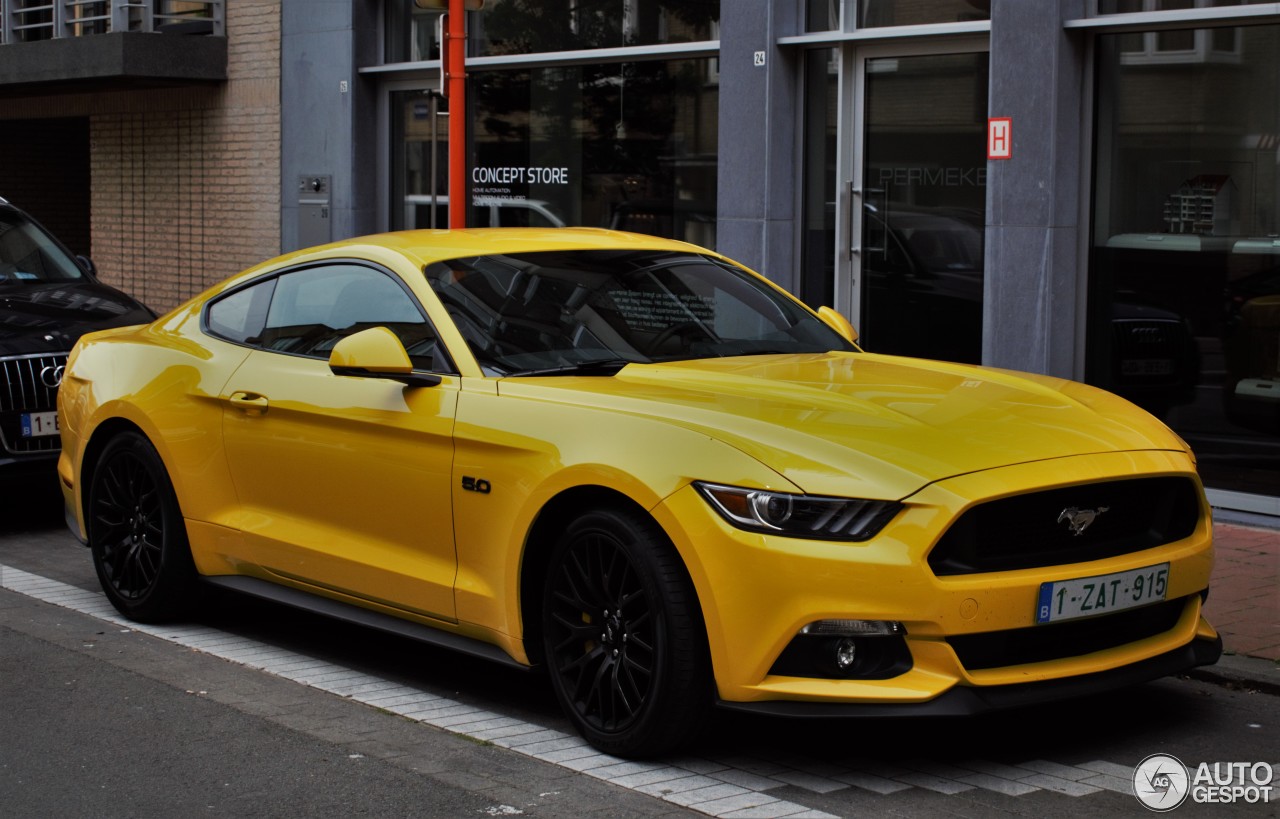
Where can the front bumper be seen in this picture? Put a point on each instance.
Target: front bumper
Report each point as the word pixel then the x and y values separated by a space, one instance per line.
pixel 970 700
pixel 758 591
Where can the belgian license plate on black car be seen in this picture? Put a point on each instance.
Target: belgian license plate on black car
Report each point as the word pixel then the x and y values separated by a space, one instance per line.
pixel 39 424
pixel 1087 596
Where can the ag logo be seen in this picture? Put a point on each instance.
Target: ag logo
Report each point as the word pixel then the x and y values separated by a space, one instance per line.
pixel 1161 782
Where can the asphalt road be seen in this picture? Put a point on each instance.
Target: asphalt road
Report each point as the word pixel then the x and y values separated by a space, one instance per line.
pixel 102 719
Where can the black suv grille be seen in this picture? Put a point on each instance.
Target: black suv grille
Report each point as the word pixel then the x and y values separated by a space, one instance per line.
pixel 23 389
pixel 1147 351
pixel 1034 530
pixel 1054 641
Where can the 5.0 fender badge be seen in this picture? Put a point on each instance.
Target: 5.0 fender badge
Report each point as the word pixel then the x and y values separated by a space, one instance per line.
pixel 1078 520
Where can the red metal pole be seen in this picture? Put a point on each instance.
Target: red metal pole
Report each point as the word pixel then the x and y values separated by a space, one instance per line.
pixel 456 90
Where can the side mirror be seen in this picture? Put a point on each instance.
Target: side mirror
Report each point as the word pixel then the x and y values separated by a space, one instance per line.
pixel 377 353
pixel 838 323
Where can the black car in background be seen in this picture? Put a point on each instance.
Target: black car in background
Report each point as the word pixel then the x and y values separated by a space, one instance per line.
pixel 48 299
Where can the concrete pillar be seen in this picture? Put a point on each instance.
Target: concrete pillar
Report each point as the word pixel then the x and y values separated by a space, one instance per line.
pixel 1034 270
pixel 759 109
pixel 328 119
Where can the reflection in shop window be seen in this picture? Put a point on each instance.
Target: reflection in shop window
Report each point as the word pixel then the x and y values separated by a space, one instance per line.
pixel 1133 6
pixel 1182 46
pixel 532 26
pixel 412 33
pixel 879 13
pixel 1184 288
pixel 630 146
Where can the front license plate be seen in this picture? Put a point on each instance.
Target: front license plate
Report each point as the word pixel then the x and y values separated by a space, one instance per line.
pixel 39 424
pixel 1087 596
pixel 1147 366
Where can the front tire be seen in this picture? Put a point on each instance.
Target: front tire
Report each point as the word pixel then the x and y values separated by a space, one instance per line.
pixel 137 535
pixel 623 635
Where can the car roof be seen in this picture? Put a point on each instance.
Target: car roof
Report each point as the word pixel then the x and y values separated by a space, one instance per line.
pixel 428 246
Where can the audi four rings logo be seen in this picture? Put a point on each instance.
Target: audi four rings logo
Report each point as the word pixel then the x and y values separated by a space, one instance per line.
pixel 51 376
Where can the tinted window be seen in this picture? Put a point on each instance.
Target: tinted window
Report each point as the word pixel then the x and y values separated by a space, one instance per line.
pixel 306 312
pixel 240 316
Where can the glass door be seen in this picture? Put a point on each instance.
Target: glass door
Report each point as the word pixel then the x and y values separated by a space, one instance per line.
pixel 419 158
pixel 916 204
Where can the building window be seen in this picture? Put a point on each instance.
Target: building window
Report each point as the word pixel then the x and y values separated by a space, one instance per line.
pixel 411 33
pixel 536 26
pixel 1135 6
pixel 1184 289
pixel 878 13
pixel 628 145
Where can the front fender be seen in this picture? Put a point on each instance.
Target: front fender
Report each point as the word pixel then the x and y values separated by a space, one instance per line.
pixel 639 458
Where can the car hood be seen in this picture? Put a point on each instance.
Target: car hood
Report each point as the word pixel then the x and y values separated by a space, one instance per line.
pixel 49 317
pixel 864 425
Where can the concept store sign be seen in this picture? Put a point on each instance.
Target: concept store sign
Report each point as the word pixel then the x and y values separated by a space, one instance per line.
pixel 536 175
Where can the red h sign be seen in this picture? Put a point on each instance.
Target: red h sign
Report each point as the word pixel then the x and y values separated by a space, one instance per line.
pixel 999 138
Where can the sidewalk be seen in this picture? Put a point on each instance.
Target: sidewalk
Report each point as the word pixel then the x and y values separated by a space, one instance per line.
pixel 1244 606
pixel 1244 596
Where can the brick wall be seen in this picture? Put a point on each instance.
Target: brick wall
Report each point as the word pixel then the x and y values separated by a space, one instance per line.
pixel 186 184
pixel 185 181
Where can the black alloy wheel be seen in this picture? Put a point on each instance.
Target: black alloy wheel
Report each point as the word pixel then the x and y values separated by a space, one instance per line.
pixel 623 635
pixel 137 535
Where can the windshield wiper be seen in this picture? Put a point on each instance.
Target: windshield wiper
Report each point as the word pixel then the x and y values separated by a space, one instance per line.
pixel 598 366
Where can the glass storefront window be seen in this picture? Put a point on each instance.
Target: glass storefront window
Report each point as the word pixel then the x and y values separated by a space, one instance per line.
pixel 877 13
pixel 1184 313
pixel 629 145
pixel 532 26
pixel 924 194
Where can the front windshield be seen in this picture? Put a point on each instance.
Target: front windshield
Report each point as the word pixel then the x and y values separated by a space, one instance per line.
pixel 28 255
pixel 565 310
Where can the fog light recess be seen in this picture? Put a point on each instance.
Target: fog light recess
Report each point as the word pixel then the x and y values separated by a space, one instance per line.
pixel 846 649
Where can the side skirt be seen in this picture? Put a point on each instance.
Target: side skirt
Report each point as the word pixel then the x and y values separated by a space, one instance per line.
pixel 363 617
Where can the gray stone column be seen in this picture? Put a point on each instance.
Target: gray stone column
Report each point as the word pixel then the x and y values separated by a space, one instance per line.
pixel 1034 270
pixel 324 129
pixel 759 110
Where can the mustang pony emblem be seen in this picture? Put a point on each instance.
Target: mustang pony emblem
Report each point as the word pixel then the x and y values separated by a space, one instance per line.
pixel 1080 519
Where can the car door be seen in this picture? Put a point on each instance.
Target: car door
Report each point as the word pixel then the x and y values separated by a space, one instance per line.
pixel 344 482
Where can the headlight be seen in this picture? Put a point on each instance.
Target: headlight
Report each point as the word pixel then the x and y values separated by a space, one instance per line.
pixel 807 516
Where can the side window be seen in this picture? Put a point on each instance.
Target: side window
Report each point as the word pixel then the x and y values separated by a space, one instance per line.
pixel 240 316
pixel 315 308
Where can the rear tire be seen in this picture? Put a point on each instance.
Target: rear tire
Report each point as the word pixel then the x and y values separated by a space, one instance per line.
pixel 623 635
pixel 137 535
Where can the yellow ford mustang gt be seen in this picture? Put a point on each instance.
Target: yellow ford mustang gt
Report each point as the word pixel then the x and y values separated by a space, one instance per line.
pixel 643 467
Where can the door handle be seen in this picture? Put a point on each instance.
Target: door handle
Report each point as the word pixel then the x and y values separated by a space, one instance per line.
pixel 250 402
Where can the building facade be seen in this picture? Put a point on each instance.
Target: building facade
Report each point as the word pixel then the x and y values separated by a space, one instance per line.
pixel 1085 188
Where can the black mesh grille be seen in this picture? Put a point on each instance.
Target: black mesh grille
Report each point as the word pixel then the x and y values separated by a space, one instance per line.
pixel 1055 641
pixel 1033 530
pixel 23 390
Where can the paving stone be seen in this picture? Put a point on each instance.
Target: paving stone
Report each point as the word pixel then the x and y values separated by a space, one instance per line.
pixel 1053 783
pixel 994 783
